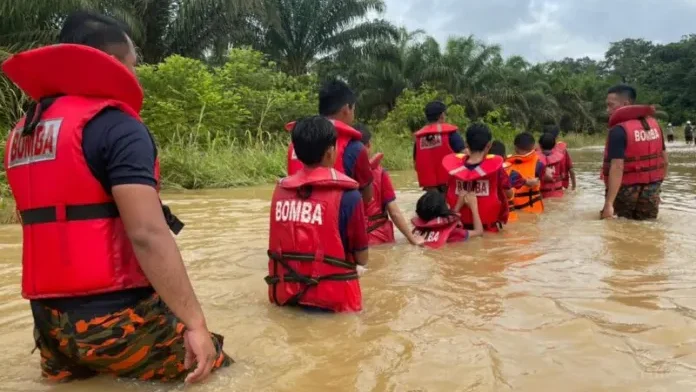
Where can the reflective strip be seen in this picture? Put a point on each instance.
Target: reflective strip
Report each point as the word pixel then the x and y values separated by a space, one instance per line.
pixel 334 176
pixel 480 171
pixel 439 128
pixel 457 170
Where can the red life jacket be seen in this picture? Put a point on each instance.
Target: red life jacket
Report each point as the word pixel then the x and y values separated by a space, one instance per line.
pixel 554 164
pixel 643 162
pixel 74 241
pixel 346 134
pixel 308 265
pixel 380 228
pixel 437 231
pixel 432 145
pixel 565 171
pixel 483 180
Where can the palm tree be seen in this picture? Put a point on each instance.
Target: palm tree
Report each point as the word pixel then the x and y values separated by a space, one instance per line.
pixel 297 33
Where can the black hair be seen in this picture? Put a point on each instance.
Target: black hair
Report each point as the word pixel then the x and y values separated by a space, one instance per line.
pixel 366 134
pixel 433 110
pixel 498 148
pixel 334 95
pixel 552 129
pixel 624 91
pixel 311 138
pixel 477 137
pixel 433 205
pixel 524 141
pixel 547 141
pixel 94 30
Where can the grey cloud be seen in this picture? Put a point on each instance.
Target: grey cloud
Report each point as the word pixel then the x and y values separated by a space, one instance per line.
pixel 549 29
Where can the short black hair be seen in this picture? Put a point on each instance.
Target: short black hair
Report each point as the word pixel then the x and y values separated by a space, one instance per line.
pixel 478 136
pixel 311 138
pixel 552 129
pixel 334 95
pixel 498 148
pixel 366 134
pixel 547 141
pixel 524 141
pixel 94 30
pixel 432 205
pixel 433 110
pixel 624 91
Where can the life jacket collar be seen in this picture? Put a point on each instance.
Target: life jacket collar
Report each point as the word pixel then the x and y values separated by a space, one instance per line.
pixel 520 159
pixel 318 177
pixel 455 164
pixel 631 112
pixel 436 128
pixel 78 70
pixel 436 223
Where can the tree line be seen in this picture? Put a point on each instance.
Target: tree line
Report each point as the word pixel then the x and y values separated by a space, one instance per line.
pixel 336 38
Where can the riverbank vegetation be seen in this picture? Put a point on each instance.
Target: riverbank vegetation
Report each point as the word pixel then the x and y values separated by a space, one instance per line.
pixel 222 77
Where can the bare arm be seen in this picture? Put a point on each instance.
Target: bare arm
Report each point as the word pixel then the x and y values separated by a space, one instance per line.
pixel 157 252
pixel 367 193
pixel 510 193
pixel 461 201
pixel 478 226
pixel 361 257
pixel 572 178
pixel 613 185
pixel 401 223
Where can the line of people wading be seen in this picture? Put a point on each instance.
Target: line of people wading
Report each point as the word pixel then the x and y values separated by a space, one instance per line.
pixel 108 289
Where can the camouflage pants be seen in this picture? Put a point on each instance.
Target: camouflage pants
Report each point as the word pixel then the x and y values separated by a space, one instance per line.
pixel 144 342
pixel 638 202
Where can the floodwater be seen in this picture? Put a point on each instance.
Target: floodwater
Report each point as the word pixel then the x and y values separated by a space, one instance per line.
pixel 562 302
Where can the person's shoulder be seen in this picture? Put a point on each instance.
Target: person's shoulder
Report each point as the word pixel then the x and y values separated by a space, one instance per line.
pixel 111 117
pixel 350 197
pixel 355 146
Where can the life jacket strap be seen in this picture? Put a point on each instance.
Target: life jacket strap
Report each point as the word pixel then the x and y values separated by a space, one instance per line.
pixel 82 212
pixel 376 221
pixel 638 159
pixel 531 202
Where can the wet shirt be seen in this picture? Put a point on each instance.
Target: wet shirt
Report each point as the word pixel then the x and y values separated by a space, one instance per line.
pixel 356 163
pixel 119 150
pixel 456 143
pixel 617 142
pixel 387 190
pixel 352 222
pixel 516 179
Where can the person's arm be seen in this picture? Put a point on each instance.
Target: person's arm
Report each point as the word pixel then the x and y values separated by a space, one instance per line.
pixel 357 165
pixel 457 142
pixel 126 158
pixel 506 184
pixel 355 230
pixel 461 201
pixel 573 183
pixel 665 156
pixel 569 169
pixel 389 198
pixel 472 202
pixel 616 152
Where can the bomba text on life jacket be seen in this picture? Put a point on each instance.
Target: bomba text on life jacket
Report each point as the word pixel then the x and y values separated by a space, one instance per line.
pixel 480 188
pixel 301 211
pixel 37 147
pixel 646 136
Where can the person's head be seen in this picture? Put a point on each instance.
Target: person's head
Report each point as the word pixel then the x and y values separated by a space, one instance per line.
pixel 102 33
pixel 478 138
pixel 498 148
pixel 366 136
pixel 547 141
pixel 524 143
pixel 619 96
pixel 669 125
pixel 432 205
pixel 435 111
pixel 337 101
pixel 314 141
pixel 552 129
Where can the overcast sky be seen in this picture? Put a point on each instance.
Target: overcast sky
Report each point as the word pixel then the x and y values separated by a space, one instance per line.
pixel 548 29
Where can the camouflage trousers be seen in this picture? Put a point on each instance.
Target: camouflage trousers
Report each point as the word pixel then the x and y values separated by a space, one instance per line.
pixel 144 342
pixel 638 202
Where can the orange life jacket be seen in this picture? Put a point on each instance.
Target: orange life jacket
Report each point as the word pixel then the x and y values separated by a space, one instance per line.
pixel 526 198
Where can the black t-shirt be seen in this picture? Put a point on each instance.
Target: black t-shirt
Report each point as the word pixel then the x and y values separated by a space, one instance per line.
pixel 616 146
pixel 119 150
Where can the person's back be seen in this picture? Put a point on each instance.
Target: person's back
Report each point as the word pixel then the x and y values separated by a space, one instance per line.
pixel 96 242
pixel 525 173
pixel 482 175
pixel 438 225
pixel 688 132
pixel 498 148
pixel 317 233
pixel 432 143
pixel 337 103
pixel 551 181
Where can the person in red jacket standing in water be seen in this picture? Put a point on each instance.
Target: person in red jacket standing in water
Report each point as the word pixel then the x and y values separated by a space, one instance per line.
pixel 337 103
pixel 432 143
pixel 635 158
pixel 108 288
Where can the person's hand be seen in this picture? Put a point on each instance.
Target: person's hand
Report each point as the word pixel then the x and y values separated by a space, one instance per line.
pixel 532 182
pixel 573 188
pixel 361 270
pixel 470 200
pixel 608 212
pixel 416 240
pixel 199 349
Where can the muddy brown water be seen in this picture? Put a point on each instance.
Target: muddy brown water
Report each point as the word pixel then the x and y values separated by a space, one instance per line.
pixel 562 302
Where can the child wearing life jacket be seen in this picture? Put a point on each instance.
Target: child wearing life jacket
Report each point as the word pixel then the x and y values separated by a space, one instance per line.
pixel 567 172
pixel 498 148
pixel 525 173
pixel 317 241
pixel 552 182
pixel 432 143
pixel 383 210
pixel 438 225
pixel 481 174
